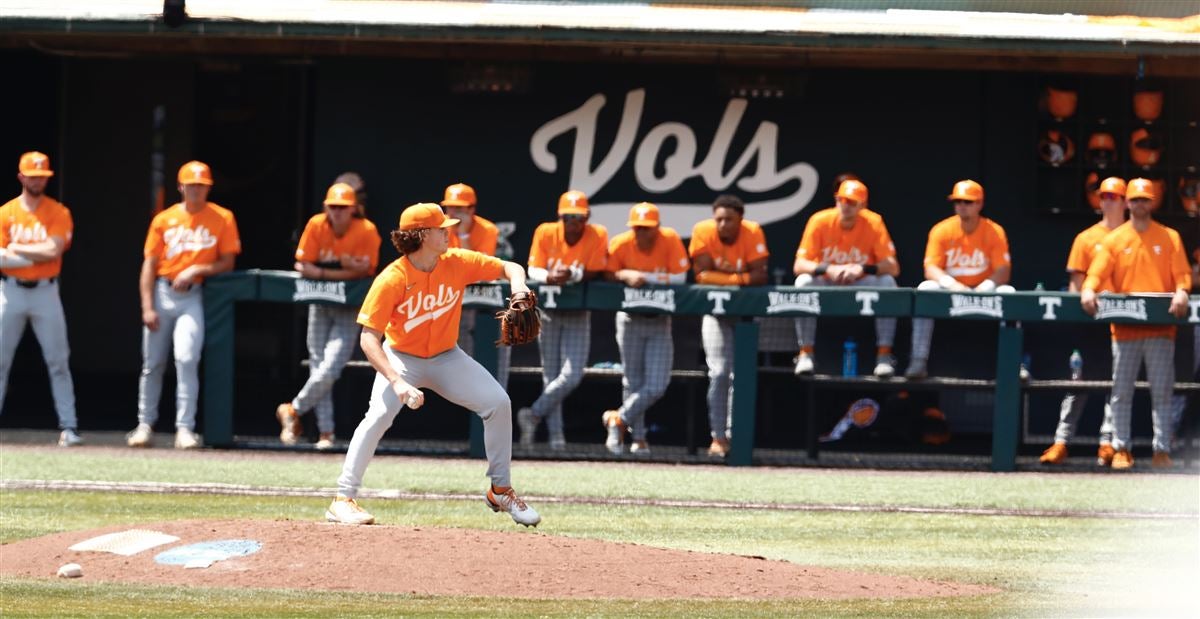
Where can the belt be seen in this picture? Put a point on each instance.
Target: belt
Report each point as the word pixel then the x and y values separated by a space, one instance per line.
pixel 167 281
pixel 29 283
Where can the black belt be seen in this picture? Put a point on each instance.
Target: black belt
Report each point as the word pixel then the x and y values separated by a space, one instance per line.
pixel 29 283
pixel 168 281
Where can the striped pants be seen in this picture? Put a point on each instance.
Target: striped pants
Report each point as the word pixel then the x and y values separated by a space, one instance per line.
pixel 806 327
pixel 647 354
pixel 922 328
pixel 716 335
pixel 332 337
pixel 563 344
pixel 1068 417
pixel 466 341
pixel 1159 355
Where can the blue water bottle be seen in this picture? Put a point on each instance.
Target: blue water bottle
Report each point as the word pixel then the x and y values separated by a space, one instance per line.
pixel 1076 363
pixel 850 358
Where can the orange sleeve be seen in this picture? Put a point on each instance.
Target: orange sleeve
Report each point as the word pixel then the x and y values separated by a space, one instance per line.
pixel 308 250
pixel 489 236
pixel 722 279
pixel 63 227
pixel 1180 270
pixel 230 242
pixel 154 245
pixel 599 254
pixel 810 244
pixel 387 291
pixel 677 258
pixel 700 241
pixel 615 254
pixel 934 253
pixel 999 251
pixel 884 247
pixel 1102 266
pixel 478 267
pixel 1077 261
pixel 758 246
pixel 4 240
pixel 537 252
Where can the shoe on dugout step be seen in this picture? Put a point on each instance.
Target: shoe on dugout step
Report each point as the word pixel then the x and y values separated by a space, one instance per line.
pixel 558 442
pixel 917 369
pixel 719 448
pixel 507 500
pixel 885 366
pixel 345 510
pixel 69 438
pixel 289 423
pixel 639 447
pixel 186 439
pixel 528 424
pixel 1104 455
pixel 1122 460
pixel 1162 460
pixel 140 437
pixel 615 442
pixel 1055 454
pixel 325 441
pixel 804 364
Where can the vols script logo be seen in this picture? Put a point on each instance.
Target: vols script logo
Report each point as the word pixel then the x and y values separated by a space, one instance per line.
pixel 1134 309
pixel 310 290
pixel 807 302
pixel 976 305
pixel 653 299
pixel 682 163
pixel 485 295
pixel 960 263
pixel 832 255
pixel 181 239
pixel 425 307
pixel 18 233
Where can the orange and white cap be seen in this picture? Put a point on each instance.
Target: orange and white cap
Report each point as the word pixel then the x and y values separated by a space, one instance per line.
pixel 1140 188
pixel 853 190
pixel 643 214
pixel 966 190
pixel 459 194
pixel 573 203
pixel 425 215
pixel 195 173
pixel 34 163
pixel 1113 184
pixel 340 194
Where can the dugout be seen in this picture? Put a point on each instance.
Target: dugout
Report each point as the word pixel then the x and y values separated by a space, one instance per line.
pixel 279 102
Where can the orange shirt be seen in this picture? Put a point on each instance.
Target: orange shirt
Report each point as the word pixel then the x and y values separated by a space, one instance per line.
pixel 1083 250
pixel 420 311
pixel 751 245
pixel 49 219
pixel 969 258
pixel 1150 261
pixel 666 257
pixel 482 237
pixel 550 250
pixel 319 245
pixel 180 239
pixel 826 241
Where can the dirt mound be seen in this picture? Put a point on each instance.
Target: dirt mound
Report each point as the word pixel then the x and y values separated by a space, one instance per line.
pixel 444 561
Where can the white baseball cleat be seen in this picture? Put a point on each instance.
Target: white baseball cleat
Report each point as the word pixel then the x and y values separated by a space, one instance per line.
pixel 186 439
pixel 69 438
pixel 509 502
pixel 345 510
pixel 528 424
pixel 140 437
pixel 325 442
pixel 615 440
pixel 639 447
pixel 885 366
pixel 804 365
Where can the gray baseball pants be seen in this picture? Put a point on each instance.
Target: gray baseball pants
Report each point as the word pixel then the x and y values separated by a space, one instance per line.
pixel 716 335
pixel 466 341
pixel 332 336
pixel 1159 355
pixel 180 326
pixel 42 307
pixel 563 343
pixel 647 353
pixel 922 328
pixel 806 327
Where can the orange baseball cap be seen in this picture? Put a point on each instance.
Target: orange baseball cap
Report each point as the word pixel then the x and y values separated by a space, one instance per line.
pixel 34 163
pixel 425 215
pixel 459 194
pixel 966 190
pixel 1113 184
pixel 854 190
pixel 340 194
pixel 573 203
pixel 643 214
pixel 195 173
pixel 1140 188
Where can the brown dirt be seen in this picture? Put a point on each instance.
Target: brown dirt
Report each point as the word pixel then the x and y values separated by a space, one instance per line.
pixel 445 561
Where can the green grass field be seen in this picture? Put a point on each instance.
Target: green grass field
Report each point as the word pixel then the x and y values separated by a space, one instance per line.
pixel 1044 566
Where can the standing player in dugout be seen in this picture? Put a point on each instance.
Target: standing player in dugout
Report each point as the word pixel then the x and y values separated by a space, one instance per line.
pixel 416 302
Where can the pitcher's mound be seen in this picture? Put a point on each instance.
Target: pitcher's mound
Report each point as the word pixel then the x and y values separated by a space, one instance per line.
pixel 463 562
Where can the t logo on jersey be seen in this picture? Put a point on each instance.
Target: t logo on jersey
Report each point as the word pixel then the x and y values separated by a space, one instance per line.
pixel 959 262
pixel 425 307
pixel 182 238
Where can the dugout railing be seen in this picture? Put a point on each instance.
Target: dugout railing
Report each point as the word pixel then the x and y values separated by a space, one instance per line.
pixel 1010 310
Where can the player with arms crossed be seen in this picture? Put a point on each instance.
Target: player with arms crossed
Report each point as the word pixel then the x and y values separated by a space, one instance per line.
pixel 416 303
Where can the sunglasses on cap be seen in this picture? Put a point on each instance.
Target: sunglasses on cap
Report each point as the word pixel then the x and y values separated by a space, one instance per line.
pixel 338 207
pixel 957 202
pixel 572 217
pixel 1110 196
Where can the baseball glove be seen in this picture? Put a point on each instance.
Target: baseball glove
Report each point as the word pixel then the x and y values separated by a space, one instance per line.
pixel 521 322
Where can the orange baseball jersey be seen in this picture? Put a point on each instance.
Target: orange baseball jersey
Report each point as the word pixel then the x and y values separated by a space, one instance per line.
pixel 1150 261
pixel 550 250
pixel 667 256
pixel 50 219
pixel 319 245
pixel 1083 250
pixel 969 258
pixel 418 311
pixel 180 239
pixel 826 241
pixel 751 244
pixel 482 237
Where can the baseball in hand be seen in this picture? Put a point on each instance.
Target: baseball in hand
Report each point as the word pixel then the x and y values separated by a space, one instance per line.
pixel 412 401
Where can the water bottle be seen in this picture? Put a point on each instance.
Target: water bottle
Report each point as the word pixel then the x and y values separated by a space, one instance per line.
pixel 850 358
pixel 1076 364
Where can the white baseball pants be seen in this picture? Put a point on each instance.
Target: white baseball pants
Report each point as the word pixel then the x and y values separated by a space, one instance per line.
pixel 180 327
pixel 922 328
pixel 42 307
pixel 716 336
pixel 806 327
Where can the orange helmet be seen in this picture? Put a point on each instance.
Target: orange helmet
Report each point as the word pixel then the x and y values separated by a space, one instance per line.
pixel 1189 191
pixel 853 190
pixel 1145 147
pixel 1055 148
pixel 1147 105
pixel 1101 150
pixel 340 194
pixel 643 214
pixel 1061 103
pixel 573 203
pixel 34 163
pixel 195 173
pixel 459 194
pixel 966 190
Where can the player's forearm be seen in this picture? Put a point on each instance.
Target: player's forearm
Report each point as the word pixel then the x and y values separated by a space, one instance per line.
pixel 372 347
pixel 515 276
pixel 9 260
pixel 223 264
pixel 42 251
pixel 1001 275
pixel 888 266
pixel 146 283
pixel 1076 283
pixel 722 279
pixel 805 267
pixel 538 274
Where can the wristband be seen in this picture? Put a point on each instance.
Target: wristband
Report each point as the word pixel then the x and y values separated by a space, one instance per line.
pixel 986 285
pixel 870 269
pixel 820 270
pixel 946 281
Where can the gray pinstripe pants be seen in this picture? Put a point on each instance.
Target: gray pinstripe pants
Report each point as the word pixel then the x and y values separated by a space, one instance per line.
pixel 563 344
pixel 1159 354
pixel 1068 417
pixel 716 334
pixel 466 341
pixel 806 327
pixel 647 354
pixel 332 336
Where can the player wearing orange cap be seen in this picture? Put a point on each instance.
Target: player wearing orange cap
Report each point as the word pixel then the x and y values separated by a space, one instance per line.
pixel 188 242
pixel 1083 251
pixel 847 245
pixel 1141 256
pixel 35 231
pixel 416 303
pixel 647 253
pixel 564 252
pixel 336 244
pixel 726 250
pixel 966 251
